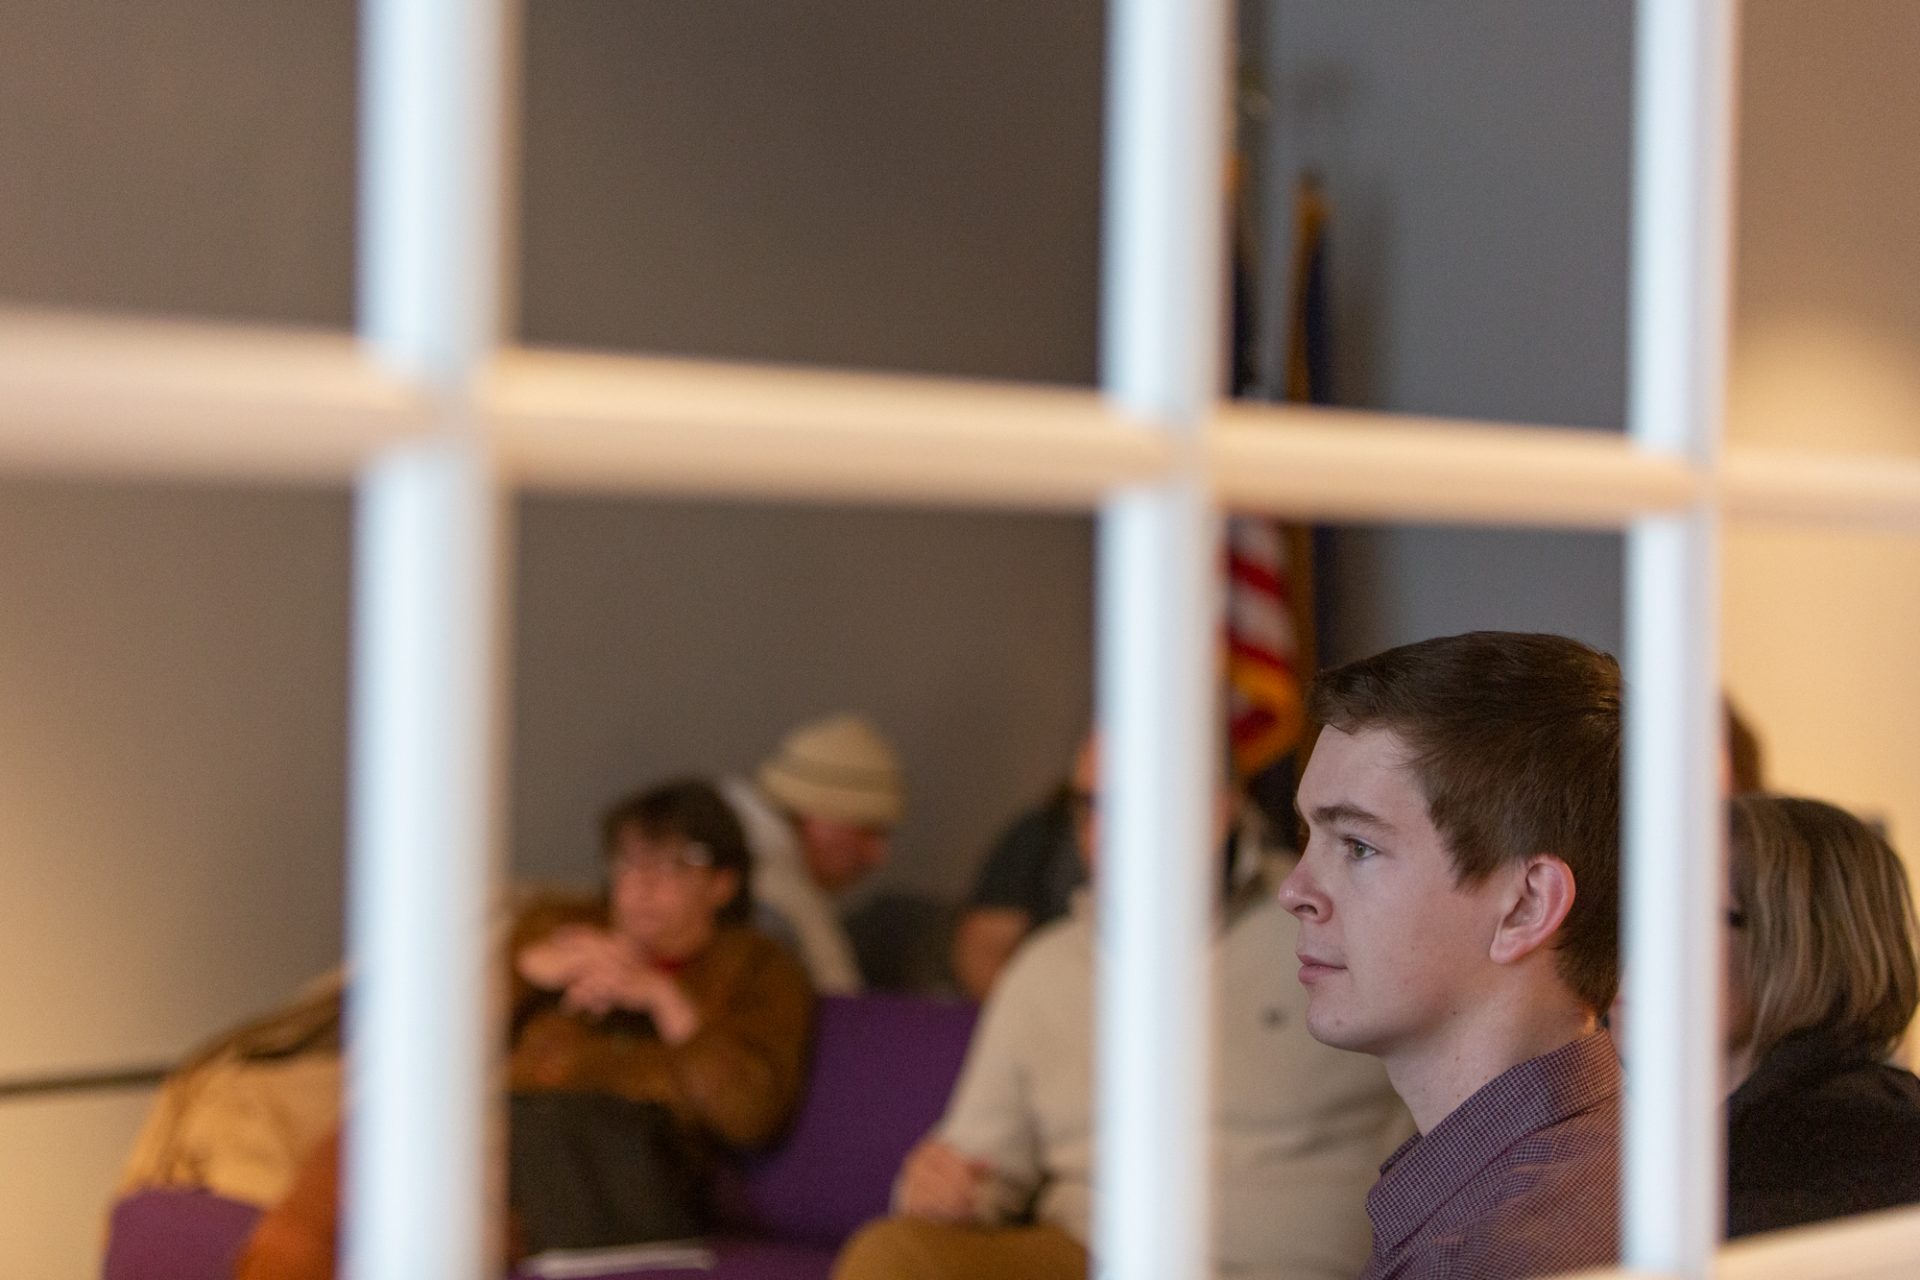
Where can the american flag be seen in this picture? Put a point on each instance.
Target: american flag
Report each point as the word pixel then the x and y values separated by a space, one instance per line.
pixel 1269 595
pixel 1265 712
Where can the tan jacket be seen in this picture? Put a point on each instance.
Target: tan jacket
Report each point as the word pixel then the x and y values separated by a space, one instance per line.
pixel 1299 1129
pixel 243 1111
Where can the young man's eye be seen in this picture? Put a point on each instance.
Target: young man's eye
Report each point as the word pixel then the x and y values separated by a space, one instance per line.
pixel 1358 849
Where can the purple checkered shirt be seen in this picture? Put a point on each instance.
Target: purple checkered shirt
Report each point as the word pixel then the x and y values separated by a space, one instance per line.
pixel 1522 1179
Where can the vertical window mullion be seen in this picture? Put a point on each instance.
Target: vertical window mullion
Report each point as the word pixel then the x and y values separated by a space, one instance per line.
pixel 1673 878
pixel 1161 346
pixel 422 834
pixel 430 565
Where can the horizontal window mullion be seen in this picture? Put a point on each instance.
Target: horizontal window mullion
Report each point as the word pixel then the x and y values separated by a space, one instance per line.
pixel 1320 464
pixel 1834 490
pixel 107 394
pixel 571 421
pixel 1879 1246
pixel 112 395
pixel 1874 1246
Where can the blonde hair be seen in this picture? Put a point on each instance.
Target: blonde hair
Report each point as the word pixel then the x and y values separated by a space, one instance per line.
pixel 1829 933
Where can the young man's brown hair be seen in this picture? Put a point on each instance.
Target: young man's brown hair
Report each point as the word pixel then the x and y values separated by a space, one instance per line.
pixel 1515 743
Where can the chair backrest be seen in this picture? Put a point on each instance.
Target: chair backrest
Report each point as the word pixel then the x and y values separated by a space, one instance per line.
pixel 175 1234
pixel 883 1067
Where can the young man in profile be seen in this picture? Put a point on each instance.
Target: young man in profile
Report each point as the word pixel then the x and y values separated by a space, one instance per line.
pixel 1457 900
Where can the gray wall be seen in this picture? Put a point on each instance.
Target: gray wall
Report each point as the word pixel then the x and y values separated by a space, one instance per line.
pixel 858 182
pixel 1476 155
pixel 193 156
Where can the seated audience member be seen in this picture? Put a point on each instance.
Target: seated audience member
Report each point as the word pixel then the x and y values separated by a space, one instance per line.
pixel 1821 984
pixel 1028 881
pixel 647 1028
pixel 244 1110
pixel 1003 1186
pixel 1741 771
pixel 1457 906
pixel 819 817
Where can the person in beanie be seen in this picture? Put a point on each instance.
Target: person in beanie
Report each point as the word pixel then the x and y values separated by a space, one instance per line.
pixel 819 816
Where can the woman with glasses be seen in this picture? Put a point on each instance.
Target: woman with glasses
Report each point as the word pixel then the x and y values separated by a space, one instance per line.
pixel 648 1026
pixel 1822 982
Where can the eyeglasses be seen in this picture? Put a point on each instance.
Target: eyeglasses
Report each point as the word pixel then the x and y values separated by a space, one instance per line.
pixel 656 860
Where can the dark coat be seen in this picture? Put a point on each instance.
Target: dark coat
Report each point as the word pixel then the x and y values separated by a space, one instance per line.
pixel 1820 1130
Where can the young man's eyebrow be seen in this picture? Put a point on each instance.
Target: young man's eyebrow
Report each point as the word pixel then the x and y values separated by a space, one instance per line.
pixel 1351 815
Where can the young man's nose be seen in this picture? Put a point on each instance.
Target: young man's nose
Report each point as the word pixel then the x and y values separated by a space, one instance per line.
pixel 1298 894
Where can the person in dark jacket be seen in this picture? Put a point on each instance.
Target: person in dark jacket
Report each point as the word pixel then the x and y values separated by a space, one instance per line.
pixel 1822 982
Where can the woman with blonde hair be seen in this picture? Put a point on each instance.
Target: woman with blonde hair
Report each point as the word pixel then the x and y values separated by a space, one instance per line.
pixel 1822 982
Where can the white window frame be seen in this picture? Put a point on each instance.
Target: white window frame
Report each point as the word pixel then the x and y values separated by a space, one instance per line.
pixel 441 422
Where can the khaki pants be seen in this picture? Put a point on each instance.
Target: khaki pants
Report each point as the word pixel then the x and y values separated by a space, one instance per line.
pixel 915 1249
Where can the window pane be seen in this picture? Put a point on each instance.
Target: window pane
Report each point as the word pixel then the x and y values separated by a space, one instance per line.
pixel 1476 158
pixel 193 157
pixel 897 187
pixel 1827 315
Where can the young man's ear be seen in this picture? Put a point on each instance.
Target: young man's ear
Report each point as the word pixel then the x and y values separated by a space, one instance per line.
pixel 1543 894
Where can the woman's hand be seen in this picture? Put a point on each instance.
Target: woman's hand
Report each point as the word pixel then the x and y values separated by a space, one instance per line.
pixel 940 1182
pixel 556 961
pixel 597 972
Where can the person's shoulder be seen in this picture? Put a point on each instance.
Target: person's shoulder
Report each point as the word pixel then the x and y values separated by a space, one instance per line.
pixel 1502 1251
pixel 1019 862
pixel 1883 1091
pixel 1549 1212
pixel 1842 1147
pixel 751 947
pixel 1560 1182
pixel 1034 831
pixel 1071 934
pixel 743 964
pixel 1861 1093
pixel 769 839
pixel 1043 957
pixel 1857 1126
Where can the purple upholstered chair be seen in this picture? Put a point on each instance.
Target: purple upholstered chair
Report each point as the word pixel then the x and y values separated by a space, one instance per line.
pixel 882 1069
pixel 176 1235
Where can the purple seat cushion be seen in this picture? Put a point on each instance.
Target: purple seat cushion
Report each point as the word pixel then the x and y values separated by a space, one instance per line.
pixel 747 1260
pixel 176 1235
pixel 768 1260
pixel 882 1069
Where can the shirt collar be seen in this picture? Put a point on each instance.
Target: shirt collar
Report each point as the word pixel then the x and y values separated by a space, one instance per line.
pixel 1430 1169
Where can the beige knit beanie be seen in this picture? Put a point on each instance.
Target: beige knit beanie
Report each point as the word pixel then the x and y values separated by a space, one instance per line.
pixel 839 766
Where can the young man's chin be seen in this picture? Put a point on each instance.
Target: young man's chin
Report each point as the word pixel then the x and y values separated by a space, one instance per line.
pixel 1331 1031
